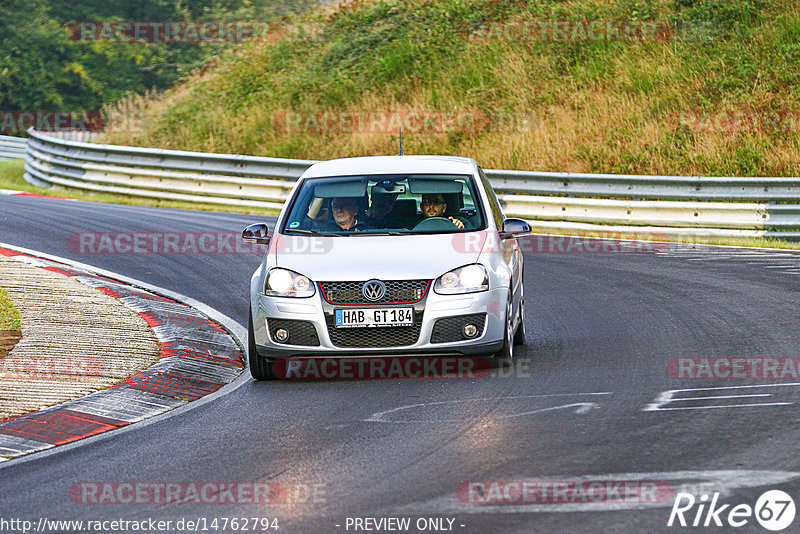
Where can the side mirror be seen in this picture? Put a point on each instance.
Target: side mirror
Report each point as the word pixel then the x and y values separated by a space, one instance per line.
pixel 256 233
pixel 514 228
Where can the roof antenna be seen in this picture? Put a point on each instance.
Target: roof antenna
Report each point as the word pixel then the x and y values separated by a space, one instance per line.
pixel 401 141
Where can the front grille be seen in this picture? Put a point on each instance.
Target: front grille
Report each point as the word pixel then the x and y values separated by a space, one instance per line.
pixel 376 337
pixel 300 332
pixel 451 329
pixel 397 291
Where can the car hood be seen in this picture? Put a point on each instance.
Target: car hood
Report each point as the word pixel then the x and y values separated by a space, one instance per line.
pixel 361 257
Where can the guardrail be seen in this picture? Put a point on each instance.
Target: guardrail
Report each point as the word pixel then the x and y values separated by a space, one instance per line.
pixel 12 147
pixel 568 202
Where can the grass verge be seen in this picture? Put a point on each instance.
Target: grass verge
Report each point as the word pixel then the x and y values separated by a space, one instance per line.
pixel 9 316
pixel 716 95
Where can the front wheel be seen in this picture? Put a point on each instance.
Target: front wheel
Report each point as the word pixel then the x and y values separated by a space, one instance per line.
pixel 260 368
pixel 519 335
pixel 506 352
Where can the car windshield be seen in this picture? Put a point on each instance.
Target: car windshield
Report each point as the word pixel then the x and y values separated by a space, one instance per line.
pixel 385 204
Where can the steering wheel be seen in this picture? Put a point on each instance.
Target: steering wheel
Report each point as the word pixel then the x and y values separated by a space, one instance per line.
pixel 434 224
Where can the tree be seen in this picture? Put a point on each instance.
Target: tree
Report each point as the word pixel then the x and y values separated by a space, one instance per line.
pixel 35 59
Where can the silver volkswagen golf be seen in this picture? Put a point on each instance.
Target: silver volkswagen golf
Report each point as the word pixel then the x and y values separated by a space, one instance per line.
pixel 387 255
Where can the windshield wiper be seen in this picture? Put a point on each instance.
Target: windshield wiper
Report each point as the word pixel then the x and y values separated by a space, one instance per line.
pixel 314 232
pixel 382 233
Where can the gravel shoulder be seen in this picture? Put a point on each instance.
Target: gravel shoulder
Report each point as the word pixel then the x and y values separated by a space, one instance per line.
pixel 75 340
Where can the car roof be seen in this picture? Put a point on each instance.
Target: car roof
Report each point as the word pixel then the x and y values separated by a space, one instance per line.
pixel 392 165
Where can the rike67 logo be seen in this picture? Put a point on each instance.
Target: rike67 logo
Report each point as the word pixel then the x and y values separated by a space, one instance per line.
pixel 774 510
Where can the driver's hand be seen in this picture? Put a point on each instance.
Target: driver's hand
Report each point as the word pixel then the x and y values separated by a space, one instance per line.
pixel 457 222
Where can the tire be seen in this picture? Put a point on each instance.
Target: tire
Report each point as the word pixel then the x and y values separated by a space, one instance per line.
pixel 260 368
pixel 519 335
pixel 506 352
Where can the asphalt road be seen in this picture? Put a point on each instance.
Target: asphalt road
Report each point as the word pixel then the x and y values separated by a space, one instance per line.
pixel 585 403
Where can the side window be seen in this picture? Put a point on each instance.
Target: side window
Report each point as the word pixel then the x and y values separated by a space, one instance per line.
pixel 497 210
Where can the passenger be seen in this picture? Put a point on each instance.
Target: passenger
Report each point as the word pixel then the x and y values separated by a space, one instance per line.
pixel 434 205
pixel 343 211
pixel 379 209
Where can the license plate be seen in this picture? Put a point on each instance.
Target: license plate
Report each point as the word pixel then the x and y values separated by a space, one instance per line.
pixel 369 317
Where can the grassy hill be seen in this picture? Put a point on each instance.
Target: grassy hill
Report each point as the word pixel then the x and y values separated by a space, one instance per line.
pixel 662 105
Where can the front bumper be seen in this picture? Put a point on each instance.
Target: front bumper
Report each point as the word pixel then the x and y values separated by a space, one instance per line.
pixel 315 311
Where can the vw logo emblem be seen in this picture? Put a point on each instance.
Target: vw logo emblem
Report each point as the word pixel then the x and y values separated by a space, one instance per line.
pixel 374 290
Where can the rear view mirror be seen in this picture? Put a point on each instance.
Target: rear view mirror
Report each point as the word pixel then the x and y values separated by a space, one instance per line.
pixel 388 188
pixel 256 233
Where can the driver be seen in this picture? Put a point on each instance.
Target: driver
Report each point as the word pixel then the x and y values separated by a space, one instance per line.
pixel 434 205
pixel 344 211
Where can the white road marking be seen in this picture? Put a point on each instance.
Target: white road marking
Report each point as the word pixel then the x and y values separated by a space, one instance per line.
pixel 771 261
pixel 751 261
pixel 722 406
pixel 667 397
pixel 727 396
pixel 582 407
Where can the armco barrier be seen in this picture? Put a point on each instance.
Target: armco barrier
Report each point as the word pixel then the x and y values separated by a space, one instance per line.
pixel 568 202
pixel 12 147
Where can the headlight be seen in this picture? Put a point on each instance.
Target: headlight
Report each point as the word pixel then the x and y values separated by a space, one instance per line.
pixel 285 283
pixel 467 279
